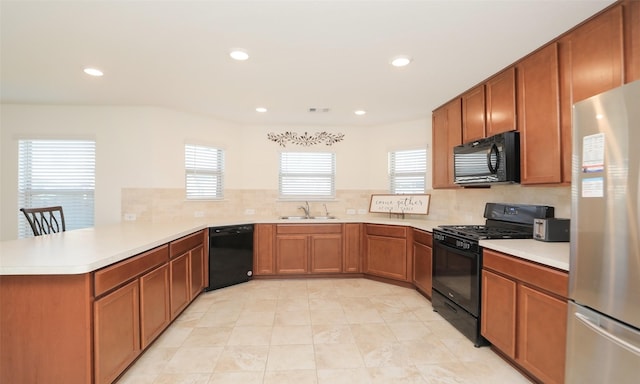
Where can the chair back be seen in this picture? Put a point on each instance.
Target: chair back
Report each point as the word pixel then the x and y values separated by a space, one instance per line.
pixel 45 220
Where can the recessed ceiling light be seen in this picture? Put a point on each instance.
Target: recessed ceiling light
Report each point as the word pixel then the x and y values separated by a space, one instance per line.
pixel 239 54
pixel 93 72
pixel 261 109
pixel 400 61
pixel 360 112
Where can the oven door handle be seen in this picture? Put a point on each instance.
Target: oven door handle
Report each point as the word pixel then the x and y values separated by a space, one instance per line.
pixel 463 252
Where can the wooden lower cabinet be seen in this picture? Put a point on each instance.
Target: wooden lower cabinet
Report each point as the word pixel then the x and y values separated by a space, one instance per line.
pixel 498 322
pixel 263 249
pixel 155 308
pixel 308 248
pixel 179 286
pixel 524 313
pixel 325 253
pixel 197 267
pixel 116 332
pixel 352 247
pixel 386 252
pixel 46 329
pixel 292 254
pixel 422 261
pixel 542 334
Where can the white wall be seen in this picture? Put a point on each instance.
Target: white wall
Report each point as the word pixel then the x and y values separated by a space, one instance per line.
pixel 143 147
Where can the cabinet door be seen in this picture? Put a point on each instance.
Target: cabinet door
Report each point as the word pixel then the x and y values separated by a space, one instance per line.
pixel 197 271
pixel 263 258
pixel 498 319
pixel 179 287
pixel 596 54
pixel 352 247
pixel 539 118
pixel 473 115
pixel 501 103
pixel 542 332
pixel 632 40
pixel 155 311
pixel 326 253
pixel 446 134
pixel 292 254
pixel 422 259
pixel 116 332
pixel 386 257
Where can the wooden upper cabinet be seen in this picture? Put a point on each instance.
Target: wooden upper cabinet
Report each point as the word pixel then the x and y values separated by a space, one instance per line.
pixel 539 117
pixel 473 114
pixel 591 62
pixel 447 133
pixel 632 40
pixel 501 102
pixel 596 55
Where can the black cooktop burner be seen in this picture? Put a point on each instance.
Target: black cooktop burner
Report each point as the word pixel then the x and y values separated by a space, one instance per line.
pixel 483 232
pixel 504 221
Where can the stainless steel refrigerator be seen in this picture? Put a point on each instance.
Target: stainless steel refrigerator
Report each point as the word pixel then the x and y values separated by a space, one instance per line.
pixel 603 328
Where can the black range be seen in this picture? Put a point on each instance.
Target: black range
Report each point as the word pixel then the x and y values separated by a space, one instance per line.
pixel 457 261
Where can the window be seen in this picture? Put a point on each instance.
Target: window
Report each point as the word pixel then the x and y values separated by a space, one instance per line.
pixel 57 172
pixel 307 175
pixel 407 171
pixel 204 170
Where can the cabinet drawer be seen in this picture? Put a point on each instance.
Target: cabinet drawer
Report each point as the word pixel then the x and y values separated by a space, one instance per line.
pixel 117 274
pixel 542 277
pixel 308 228
pixel 387 230
pixel 184 244
pixel 422 237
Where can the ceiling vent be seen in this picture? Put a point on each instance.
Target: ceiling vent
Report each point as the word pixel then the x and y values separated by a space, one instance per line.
pixel 319 110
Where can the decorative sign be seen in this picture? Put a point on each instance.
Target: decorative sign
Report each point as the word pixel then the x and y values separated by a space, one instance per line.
pixel 305 139
pixel 401 204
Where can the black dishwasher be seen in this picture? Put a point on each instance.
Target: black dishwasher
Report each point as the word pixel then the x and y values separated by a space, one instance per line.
pixel 230 255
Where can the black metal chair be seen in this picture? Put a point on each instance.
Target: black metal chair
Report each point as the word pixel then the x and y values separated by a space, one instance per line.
pixel 45 220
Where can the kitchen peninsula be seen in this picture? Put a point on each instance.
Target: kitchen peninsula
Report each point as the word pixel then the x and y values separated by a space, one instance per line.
pixel 52 289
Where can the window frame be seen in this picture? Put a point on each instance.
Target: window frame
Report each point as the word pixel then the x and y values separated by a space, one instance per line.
pixel 46 166
pixel 331 175
pixel 394 174
pixel 204 168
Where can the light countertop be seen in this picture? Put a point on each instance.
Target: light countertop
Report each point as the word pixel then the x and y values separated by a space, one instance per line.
pixel 554 255
pixel 86 250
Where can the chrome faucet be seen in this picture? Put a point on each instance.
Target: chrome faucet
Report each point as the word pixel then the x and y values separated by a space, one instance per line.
pixel 326 211
pixel 306 209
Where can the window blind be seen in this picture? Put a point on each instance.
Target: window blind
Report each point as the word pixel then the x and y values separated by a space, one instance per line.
pixel 204 172
pixel 407 171
pixel 307 175
pixel 57 172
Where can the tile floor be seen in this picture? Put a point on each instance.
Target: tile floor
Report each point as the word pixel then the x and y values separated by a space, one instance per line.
pixel 315 331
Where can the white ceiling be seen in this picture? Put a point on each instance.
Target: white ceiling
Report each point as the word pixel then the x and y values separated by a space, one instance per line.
pixel 323 54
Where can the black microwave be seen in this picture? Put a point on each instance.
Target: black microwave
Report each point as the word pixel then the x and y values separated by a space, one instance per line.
pixel 492 160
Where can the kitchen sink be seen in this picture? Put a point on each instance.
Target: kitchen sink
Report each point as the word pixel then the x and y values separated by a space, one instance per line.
pixel 307 217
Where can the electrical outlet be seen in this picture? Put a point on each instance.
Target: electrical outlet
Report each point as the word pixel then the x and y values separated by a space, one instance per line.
pixel 198 214
pixel 351 211
pixel 249 211
pixel 129 217
pixel 362 211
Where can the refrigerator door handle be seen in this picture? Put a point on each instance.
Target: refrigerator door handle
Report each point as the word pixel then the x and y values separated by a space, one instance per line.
pixel 603 332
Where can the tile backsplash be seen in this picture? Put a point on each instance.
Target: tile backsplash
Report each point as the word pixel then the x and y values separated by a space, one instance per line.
pixel 455 206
